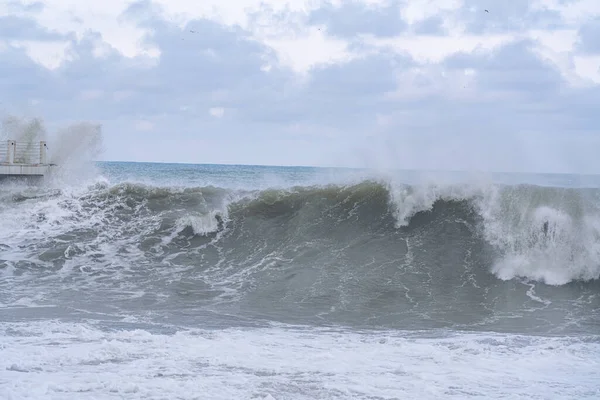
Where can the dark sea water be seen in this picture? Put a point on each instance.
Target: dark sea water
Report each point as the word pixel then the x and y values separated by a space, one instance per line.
pixel 172 281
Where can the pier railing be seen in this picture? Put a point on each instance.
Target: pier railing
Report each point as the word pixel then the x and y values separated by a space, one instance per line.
pixel 28 153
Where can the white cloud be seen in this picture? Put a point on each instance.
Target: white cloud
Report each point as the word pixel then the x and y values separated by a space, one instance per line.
pixel 588 67
pixel 47 54
pixel 302 52
pixel 419 10
pixel 280 25
pixel 66 16
pixel 216 112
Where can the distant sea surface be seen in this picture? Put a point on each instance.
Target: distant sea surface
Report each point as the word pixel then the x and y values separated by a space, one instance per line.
pixel 174 281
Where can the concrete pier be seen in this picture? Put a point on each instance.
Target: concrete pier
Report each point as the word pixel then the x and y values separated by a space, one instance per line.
pixel 24 160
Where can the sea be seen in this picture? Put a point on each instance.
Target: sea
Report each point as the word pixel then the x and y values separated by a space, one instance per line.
pixel 179 281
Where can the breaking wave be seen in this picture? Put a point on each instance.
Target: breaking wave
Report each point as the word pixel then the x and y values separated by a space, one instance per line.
pixel 544 234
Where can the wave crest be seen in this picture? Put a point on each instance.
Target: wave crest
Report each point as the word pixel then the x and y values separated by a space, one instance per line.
pixel 544 234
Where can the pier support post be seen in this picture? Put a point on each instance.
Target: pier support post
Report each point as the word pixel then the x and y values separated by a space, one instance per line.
pixel 11 149
pixel 43 150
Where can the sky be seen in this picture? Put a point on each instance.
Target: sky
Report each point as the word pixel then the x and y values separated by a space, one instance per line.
pixel 419 84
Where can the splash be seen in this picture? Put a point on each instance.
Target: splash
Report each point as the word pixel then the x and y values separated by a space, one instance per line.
pixel 27 133
pixel 73 148
pixel 23 130
pixel 550 235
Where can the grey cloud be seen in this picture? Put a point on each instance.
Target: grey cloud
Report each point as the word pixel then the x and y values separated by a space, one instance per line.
pixel 516 94
pixel 354 18
pixel 205 56
pixel 430 26
pixel 507 16
pixel 191 66
pixel 513 68
pixel 21 78
pixel 589 37
pixel 521 118
pixel 367 76
pixel 185 76
pixel 19 28
pixel 582 106
pixel 341 96
pixel 17 6
pixel 141 10
pixel 202 56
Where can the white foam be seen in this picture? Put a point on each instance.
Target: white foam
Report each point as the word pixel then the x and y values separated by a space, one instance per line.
pixel 201 224
pixel 543 236
pixel 44 360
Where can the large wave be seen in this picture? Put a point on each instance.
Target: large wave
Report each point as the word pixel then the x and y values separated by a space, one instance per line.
pixel 544 234
pixel 371 250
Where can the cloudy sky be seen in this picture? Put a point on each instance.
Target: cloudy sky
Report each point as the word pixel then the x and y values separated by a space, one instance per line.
pixel 436 84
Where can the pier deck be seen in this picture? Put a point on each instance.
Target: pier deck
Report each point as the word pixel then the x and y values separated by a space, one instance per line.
pixel 24 160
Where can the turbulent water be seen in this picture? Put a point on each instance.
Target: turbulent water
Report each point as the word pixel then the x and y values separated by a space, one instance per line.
pixel 157 281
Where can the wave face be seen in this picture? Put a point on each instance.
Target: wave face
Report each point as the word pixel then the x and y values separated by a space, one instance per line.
pixel 365 252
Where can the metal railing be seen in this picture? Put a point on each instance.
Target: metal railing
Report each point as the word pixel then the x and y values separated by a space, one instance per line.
pixel 31 153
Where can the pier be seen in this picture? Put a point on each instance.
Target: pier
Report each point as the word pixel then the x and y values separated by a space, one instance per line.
pixel 24 159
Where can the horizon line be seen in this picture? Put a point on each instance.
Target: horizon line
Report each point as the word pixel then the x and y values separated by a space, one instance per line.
pixel 348 168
